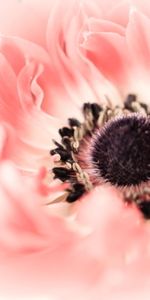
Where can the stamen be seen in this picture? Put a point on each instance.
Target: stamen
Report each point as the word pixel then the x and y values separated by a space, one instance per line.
pixel 65 131
pixel 95 111
pixel 144 207
pixel 131 99
pixel 77 191
pixel 74 122
pixel 62 173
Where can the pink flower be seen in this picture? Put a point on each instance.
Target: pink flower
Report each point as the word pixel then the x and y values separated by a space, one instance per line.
pixel 54 57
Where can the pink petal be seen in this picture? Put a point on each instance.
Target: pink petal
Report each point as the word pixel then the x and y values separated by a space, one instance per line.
pixel 8 94
pixel 26 158
pixel 83 265
pixel 138 44
pixel 97 25
pixel 138 39
pixel 107 5
pixel 79 27
pixel 48 82
pixel 70 86
pixel 120 13
pixel 25 225
pixel 31 96
pixel 79 81
pixel 123 249
pixel 21 96
pixel 108 52
pixel 26 49
pixel 143 6
pixel 27 19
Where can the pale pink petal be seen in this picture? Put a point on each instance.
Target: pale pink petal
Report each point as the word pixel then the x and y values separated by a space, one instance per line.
pixel 138 37
pixel 30 238
pixel 43 124
pixel 97 25
pixel 142 6
pixel 26 158
pixel 21 96
pixel 123 249
pixel 8 94
pixel 85 264
pixel 10 50
pixel 101 87
pixel 27 19
pixel 120 13
pixel 99 248
pixel 71 86
pixel 108 52
pixel 107 5
pixel 49 83
pixel 25 224
pixel 25 49
pixel 79 81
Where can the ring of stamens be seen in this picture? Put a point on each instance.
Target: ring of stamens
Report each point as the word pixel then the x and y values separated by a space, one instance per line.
pixel 68 168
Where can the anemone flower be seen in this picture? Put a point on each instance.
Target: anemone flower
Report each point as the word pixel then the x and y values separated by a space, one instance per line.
pixel 74 150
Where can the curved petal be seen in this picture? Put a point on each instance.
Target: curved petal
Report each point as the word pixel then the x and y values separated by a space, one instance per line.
pixel 12 45
pixel 71 85
pixel 48 81
pixel 108 52
pixel 98 25
pixel 101 87
pixel 29 119
pixel 38 128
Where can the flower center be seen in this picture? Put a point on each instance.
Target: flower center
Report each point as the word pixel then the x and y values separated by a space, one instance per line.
pixel 112 145
pixel 121 151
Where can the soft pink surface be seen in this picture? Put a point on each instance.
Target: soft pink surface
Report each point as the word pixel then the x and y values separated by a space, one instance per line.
pixel 55 55
pixel 100 254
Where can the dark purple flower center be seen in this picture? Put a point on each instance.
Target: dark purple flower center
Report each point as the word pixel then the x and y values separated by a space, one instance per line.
pixel 121 152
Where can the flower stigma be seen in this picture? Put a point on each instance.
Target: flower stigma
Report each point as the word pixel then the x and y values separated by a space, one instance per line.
pixel 111 146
